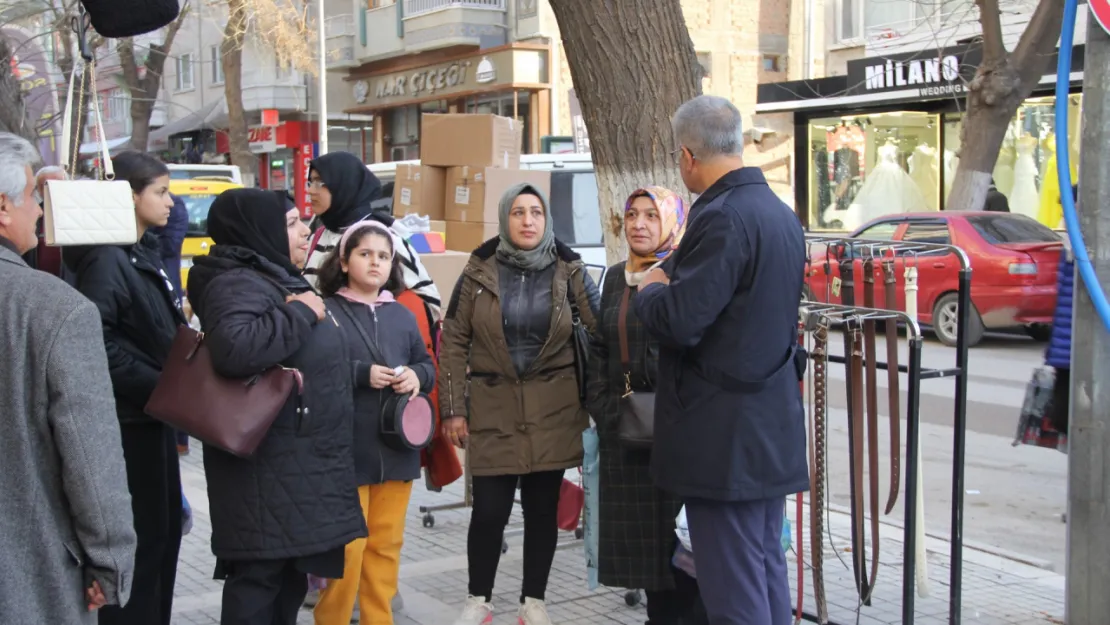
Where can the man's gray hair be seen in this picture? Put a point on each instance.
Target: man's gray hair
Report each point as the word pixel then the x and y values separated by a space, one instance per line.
pixel 16 154
pixel 709 126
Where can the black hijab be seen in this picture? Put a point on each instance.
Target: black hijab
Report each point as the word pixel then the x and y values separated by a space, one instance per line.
pixel 352 186
pixel 253 219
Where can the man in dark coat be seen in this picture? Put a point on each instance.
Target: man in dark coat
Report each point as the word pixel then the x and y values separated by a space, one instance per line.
pixel 995 202
pixel 730 426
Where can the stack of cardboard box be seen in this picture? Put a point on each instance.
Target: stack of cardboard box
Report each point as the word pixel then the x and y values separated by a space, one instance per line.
pixel 466 164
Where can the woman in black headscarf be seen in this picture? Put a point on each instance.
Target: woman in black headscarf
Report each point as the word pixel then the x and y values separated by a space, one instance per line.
pixel 290 509
pixel 343 192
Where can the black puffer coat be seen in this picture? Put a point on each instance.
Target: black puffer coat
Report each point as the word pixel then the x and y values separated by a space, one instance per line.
pixel 297 495
pixel 140 312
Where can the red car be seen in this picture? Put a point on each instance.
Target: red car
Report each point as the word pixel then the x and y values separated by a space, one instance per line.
pixel 1013 279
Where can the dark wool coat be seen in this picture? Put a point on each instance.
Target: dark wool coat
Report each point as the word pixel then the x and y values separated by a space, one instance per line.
pixel 636 520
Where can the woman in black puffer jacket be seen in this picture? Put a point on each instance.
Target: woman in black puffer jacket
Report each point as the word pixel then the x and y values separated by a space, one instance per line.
pixel 290 509
pixel 140 312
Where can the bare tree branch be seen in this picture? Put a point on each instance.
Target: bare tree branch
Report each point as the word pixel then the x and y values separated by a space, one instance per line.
pixel 994 49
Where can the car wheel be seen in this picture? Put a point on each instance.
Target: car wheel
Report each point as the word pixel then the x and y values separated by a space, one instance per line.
pixel 1040 332
pixel 945 316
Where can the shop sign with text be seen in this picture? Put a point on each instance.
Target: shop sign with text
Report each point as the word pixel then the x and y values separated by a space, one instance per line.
pixel 262 139
pixel 932 73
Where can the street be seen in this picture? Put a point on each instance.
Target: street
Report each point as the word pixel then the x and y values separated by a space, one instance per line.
pixel 1014 496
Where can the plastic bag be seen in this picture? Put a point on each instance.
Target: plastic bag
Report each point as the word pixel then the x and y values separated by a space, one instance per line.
pixel 409 225
pixel 591 484
pixel 682 530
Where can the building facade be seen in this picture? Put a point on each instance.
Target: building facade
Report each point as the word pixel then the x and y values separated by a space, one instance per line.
pixel 881 131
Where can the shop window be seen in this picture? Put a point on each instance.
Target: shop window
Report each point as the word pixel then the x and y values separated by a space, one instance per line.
pixel 1025 171
pixel 870 166
pixel 574 208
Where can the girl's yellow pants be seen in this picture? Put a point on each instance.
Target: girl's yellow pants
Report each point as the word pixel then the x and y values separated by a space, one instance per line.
pixel 371 564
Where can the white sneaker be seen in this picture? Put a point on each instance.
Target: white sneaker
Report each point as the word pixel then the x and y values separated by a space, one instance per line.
pixel 533 612
pixel 476 611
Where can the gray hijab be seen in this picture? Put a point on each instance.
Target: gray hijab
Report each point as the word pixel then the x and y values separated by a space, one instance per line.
pixel 537 258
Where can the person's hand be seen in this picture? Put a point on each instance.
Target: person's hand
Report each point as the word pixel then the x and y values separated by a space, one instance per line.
pixel 654 276
pixel 454 428
pixel 407 383
pixel 312 300
pixel 381 377
pixel 94 596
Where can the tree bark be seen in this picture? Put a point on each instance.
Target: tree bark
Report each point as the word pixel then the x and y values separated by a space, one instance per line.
pixel 144 89
pixel 231 49
pixel 1001 83
pixel 13 112
pixel 616 49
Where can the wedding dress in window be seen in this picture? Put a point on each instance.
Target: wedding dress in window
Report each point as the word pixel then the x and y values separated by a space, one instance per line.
pixel 1004 168
pixel 1024 197
pixel 925 171
pixel 887 189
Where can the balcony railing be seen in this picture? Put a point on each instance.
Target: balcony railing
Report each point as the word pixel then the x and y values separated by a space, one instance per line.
pixel 339 26
pixel 416 8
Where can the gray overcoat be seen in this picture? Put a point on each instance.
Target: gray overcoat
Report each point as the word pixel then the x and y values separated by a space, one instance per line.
pixel 65 511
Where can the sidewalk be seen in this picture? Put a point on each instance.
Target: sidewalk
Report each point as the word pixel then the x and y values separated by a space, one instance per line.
pixel 997 591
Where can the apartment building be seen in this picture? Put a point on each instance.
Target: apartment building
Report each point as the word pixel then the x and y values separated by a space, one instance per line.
pixel 888 108
pixel 396 59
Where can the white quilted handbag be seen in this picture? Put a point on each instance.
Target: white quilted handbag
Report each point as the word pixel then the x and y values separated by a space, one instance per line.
pixel 88 212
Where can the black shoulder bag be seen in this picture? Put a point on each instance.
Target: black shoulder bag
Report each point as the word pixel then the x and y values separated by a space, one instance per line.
pixel 581 339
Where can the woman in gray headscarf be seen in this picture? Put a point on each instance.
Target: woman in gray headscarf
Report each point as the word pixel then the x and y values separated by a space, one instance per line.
pixel 510 321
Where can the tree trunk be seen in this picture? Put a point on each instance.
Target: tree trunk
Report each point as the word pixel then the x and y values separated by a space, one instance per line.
pixel 144 91
pixel 141 110
pixel 1001 83
pixel 13 112
pixel 614 49
pixel 231 49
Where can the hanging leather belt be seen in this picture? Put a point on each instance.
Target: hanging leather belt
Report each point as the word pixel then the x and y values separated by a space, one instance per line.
pixel 856 449
pixel 872 406
pixel 817 459
pixel 894 403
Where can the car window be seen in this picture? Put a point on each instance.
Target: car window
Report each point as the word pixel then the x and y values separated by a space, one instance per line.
pixel 996 229
pixel 574 208
pixel 198 206
pixel 928 232
pixel 882 231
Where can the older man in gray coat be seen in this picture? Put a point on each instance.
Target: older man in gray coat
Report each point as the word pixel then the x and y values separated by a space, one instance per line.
pixel 66 536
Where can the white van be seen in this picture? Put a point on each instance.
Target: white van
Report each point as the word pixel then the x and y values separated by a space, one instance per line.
pixel 574 208
pixel 180 171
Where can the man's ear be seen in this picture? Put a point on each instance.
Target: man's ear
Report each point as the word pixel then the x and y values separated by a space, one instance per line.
pixel 5 209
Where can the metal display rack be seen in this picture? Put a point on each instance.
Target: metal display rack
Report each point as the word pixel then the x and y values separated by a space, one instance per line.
pixel 841 316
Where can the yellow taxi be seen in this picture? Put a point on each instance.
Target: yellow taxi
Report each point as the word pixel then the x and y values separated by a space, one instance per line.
pixel 198 195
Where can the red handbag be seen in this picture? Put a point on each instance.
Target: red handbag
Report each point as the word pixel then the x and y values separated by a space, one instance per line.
pixel 571 501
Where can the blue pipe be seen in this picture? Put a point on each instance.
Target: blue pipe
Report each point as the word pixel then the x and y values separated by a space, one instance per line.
pixel 1063 167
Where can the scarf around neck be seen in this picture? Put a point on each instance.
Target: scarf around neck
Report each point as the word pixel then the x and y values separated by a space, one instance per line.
pixel 672 215
pixel 537 258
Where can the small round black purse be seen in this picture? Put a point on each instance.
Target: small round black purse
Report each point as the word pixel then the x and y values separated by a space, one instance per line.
pixel 408 422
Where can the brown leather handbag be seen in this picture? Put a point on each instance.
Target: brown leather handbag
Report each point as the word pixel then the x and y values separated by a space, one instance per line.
pixel 230 414
pixel 636 422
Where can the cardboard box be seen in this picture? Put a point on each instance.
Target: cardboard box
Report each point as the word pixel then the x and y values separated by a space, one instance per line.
pixel 474 193
pixel 438 226
pixel 455 139
pixel 445 269
pixel 419 190
pixel 466 236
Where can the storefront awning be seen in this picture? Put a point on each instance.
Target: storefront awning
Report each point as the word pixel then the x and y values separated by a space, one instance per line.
pixel 208 116
pixel 114 145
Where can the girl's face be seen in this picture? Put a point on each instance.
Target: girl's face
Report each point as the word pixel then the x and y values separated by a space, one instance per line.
pixel 370 263
pixel 642 226
pixel 152 206
pixel 298 238
pixel 527 222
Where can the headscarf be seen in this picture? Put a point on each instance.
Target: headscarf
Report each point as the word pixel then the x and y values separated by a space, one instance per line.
pixel 352 186
pixel 537 258
pixel 253 219
pixel 672 215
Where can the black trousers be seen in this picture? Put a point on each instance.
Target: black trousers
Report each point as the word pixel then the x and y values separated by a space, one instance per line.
pixel 266 592
pixel 681 606
pixel 154 479
pixel 493 503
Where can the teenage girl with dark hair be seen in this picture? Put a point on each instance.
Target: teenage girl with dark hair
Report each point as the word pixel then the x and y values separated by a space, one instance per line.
pixel 359 280
pixel 140 311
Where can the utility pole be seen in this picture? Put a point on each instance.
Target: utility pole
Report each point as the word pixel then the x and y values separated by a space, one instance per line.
pixel 1088 567
pixel 322 80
